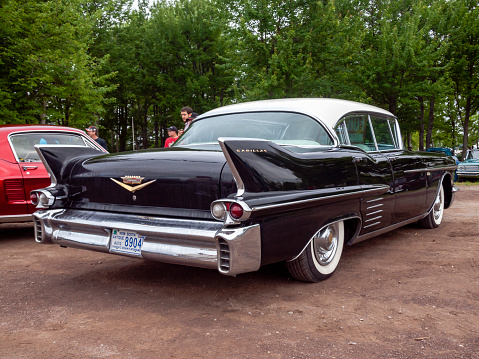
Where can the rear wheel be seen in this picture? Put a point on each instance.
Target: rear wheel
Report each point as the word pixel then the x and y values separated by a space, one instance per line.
pixel 434 218
pixel 320 258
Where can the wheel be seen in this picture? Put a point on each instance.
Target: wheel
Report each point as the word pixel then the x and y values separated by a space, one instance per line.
pixel 434 217
pixel 320 258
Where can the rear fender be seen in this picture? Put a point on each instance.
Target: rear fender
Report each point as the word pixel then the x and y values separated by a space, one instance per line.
pixel 263 166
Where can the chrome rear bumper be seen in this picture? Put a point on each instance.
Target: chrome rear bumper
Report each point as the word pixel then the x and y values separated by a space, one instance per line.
pixel 197 243
pixel 16 218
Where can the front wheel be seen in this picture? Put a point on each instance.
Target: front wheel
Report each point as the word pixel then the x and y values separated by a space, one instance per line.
pixel 434 218
pixel 320 258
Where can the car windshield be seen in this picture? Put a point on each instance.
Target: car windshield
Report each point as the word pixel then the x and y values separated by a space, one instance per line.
pixel 23 143
pixel 473 155
pixel 283 128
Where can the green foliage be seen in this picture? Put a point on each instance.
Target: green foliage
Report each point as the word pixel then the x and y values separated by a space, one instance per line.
pixel 47 74
pixel 292 49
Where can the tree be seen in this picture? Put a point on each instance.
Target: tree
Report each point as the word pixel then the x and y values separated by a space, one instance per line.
pixel 49 74
pixel 291 49
pixel 464 58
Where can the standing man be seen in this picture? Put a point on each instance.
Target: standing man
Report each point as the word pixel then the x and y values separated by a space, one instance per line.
pixel 186 117
pixel 92 131
pixel 173 133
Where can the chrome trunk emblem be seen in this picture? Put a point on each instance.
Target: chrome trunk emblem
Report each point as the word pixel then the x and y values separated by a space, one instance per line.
pixel 135 182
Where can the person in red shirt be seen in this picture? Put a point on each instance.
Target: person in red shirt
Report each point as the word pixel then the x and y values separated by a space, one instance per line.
pixel 173 133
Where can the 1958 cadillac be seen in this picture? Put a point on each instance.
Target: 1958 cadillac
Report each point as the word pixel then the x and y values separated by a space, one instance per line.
pixel 248 185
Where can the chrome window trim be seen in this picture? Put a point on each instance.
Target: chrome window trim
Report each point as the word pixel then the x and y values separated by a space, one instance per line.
pixel 330 131
pixel 86 140
pixel 374 134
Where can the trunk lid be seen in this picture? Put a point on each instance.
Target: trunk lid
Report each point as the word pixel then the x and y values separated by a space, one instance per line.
pixel 175 182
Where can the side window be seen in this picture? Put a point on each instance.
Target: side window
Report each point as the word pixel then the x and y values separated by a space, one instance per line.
pixel 355 130
pixel 23 143
pixel 384 131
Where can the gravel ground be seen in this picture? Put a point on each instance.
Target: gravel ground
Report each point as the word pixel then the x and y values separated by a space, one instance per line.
pixel 411 293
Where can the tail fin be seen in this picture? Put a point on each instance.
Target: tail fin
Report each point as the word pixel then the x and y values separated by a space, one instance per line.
pixel 263 166
pixel 59 160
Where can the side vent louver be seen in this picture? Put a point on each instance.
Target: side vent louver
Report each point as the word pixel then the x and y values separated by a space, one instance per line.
pixel 14 190
pixel 38 230
pixel 224 259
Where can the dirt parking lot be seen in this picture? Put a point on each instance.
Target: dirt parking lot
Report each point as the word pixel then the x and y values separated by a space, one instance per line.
pixel 412 293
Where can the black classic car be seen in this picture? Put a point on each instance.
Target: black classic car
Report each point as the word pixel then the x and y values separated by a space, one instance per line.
pixel 247 185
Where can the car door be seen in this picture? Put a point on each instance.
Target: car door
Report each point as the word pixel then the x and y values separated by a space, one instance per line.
pixel 31 173
pixel 409 186
pixel 373 169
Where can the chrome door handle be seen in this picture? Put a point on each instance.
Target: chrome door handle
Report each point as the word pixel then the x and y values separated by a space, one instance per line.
pixel 27 168
pixel 358 159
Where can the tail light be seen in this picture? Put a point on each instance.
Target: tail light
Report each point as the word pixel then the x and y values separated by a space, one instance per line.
pixel 42 198
pixel 230 211
pixel 34 198
pixel 236 211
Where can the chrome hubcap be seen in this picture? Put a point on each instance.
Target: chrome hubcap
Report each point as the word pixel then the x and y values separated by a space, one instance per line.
pixel 325 244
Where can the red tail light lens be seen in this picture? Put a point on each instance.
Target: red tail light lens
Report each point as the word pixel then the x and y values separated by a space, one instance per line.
pixel 34 198
pixel 236 211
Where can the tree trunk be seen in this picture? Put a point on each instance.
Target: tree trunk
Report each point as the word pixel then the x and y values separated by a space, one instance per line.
pixel 421 123
pixel 43 115
pixel 124 127
pixel 112 141
pixel 465 142
pixel 157 130
pixel 430 122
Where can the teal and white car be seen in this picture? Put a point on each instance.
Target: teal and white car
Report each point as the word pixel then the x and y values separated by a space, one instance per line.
pixel 469 168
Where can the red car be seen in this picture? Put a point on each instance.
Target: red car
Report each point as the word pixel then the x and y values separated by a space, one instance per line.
pixel 21 169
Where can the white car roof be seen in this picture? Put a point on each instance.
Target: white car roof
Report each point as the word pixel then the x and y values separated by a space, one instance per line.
pixel 329 111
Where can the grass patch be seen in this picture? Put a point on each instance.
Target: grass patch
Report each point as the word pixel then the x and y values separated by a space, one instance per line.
pixel 468 182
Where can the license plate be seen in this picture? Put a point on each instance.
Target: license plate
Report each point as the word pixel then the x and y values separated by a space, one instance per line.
pixel 126 242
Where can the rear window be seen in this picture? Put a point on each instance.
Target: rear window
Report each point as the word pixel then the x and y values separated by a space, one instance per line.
pixel 283 128
pixel 23 143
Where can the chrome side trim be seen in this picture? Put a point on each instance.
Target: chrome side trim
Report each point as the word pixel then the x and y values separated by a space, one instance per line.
pixel 387 229
pixel 16 218
pixel 234 171
pixel 168 240
pixel 447 168
pixel 381 190
pixel 338 220
pixel 468 174
pixel 372 224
